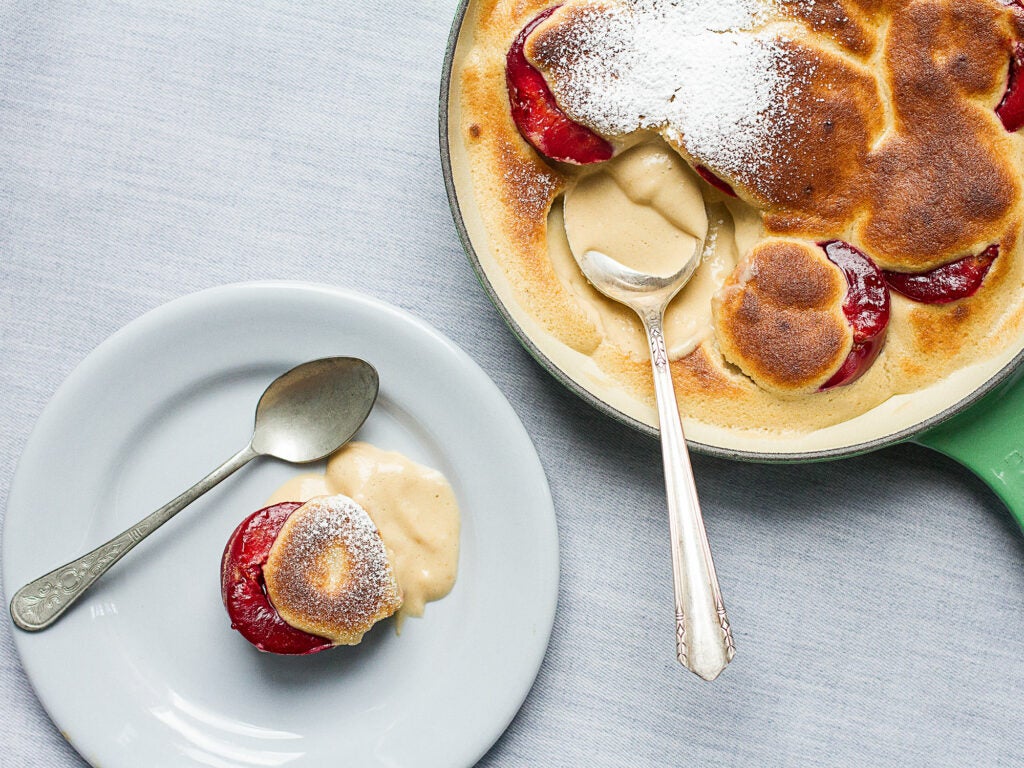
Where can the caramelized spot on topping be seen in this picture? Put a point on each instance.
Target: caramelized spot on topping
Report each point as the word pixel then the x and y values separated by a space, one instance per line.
pixel 849 23
pixel 815 171
pixel 530 187
pixel 697 367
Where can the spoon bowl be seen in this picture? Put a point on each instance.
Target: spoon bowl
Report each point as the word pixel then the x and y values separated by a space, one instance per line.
pixel 313 409
pixel 304 415
pixel 627 286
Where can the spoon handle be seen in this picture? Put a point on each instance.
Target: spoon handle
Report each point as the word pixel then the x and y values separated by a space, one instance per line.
pixel 703 637
pixel 40 603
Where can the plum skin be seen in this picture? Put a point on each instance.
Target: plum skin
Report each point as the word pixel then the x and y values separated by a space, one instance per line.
pixel 950 282
pixel 244 591
pixel 1011 109
pixel 866 307
pixel 723 186
pixel 537 115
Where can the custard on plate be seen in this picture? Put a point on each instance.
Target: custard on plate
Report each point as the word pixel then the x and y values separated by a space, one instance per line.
pixel 333 553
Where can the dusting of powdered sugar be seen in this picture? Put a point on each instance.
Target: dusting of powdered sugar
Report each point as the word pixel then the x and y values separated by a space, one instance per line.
pixel 298 584
pixel 706 73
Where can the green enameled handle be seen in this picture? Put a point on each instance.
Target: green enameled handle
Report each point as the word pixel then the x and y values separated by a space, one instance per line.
pixel 988 439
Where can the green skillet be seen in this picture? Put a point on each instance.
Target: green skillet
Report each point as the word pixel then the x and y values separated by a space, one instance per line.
pixel 982 430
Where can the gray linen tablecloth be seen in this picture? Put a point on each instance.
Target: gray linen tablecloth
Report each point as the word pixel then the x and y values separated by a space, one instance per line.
pixel 151 149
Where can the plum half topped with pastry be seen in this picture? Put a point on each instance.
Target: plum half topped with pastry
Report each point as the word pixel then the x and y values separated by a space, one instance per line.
pixel 536 112
pixel 801 317
pixel 301 578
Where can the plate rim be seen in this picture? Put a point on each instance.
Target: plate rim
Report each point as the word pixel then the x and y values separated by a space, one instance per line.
pixel 205 300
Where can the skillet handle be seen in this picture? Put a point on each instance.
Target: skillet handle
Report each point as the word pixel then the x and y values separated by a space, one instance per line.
pixel 988 439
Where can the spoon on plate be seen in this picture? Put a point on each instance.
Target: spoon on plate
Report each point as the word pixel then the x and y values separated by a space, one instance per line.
pixel 304 415
pixel 704 642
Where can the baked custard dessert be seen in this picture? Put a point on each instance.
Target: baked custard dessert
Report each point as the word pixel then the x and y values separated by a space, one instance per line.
pixel 332 554
pixel 852 170
pixel 299 578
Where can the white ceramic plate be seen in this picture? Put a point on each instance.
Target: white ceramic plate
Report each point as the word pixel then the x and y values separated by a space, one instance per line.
pixel 145 671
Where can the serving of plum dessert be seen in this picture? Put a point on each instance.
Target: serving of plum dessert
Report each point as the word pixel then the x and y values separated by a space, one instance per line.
pixel 300 578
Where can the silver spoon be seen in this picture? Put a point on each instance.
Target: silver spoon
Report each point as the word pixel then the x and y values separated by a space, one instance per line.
pixel 703 637
pixel 304 415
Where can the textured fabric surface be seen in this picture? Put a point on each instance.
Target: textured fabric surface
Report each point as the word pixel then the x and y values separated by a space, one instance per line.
pixel 151 149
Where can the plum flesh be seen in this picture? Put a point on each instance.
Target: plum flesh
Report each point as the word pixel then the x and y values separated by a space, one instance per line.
pixel 536 112
pixel 244 590
pixel 1011 108
pixel 950 282
pixel 866 307
pixel 723 186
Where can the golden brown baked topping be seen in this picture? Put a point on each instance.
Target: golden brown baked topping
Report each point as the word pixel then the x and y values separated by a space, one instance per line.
pixel 884 126
pixel 851 24
pixel 943 182
pixel 906 140
pixel 812 180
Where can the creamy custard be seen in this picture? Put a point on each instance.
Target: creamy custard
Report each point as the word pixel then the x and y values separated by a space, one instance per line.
pixel 646 209
pixel 413 507
pixel 642 209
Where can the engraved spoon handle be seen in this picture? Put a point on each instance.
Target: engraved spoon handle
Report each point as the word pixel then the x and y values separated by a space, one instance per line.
pixel 704 642
pixel 40 603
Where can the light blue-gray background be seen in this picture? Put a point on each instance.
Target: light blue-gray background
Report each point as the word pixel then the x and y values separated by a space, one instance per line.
pixel 151 149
